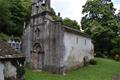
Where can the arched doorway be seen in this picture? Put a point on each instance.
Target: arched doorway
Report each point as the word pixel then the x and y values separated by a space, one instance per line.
pixel 37 57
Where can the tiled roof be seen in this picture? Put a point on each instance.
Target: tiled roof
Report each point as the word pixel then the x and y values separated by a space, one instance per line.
pixel 72 30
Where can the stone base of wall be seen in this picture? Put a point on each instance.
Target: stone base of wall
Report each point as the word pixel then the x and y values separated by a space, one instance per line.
pixel 77 66
pixel 52 69
pixel 10 78
pixel 74 67
pixel 60 70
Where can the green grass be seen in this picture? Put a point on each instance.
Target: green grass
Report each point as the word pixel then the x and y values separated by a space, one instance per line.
pixel 104 70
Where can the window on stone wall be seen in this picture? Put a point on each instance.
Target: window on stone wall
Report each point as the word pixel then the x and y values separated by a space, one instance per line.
pixel 77 40
pixel 33 21
pixel 85 42
pixel 37 32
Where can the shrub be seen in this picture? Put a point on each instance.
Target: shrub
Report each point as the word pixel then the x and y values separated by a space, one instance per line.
pixel 117 57
pixel 4 37
pixel 93 62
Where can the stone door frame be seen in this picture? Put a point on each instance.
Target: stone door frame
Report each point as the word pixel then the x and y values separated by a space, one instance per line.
pixel 37 57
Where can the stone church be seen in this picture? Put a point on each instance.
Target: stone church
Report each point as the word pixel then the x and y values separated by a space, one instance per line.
pixel 51 46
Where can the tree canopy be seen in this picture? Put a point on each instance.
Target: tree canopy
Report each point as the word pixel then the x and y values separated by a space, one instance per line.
pixel 71 23
pixel 102 24
pixel 12 16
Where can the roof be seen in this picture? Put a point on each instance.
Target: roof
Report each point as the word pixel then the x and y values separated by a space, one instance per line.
pixel 6 51
pixel 75 31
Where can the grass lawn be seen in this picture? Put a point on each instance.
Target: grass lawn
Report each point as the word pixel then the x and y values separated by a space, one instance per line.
pixel 104 70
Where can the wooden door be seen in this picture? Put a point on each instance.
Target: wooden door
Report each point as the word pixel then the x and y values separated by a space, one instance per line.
pixel 40 60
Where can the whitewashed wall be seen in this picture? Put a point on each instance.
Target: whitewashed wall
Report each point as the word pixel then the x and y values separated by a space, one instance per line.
pixel 7 70
pixel 76 48
pixel 1 71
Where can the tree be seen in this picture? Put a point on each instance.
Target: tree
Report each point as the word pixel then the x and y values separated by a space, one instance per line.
pixel 12 16
pixel 20 10
pixel 101 23
pixel 5 15
pixel 71 23
pixel 116 40
pixel 54 16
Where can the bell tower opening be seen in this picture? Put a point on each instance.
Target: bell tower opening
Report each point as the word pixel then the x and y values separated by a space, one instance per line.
pixel 41 3
pixel 40 6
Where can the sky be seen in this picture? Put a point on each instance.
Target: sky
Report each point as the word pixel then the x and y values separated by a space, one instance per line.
pixel 73 8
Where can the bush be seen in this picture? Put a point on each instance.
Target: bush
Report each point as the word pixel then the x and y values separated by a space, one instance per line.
pixel 93 62
pixel 4 37
pixel 117 57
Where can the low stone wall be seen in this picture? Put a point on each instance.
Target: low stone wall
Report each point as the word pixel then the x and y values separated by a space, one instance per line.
pixel 11 70
pixel 1 71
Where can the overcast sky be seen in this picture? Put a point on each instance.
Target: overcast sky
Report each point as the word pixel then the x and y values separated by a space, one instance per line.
pixel 73 8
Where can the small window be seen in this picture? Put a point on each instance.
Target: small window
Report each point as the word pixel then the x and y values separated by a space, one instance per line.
pixel 37 32
pixel 85 42
pixel 33 21
pixel 77 40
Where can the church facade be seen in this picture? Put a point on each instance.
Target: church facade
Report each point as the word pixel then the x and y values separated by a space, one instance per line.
pixel 51 46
